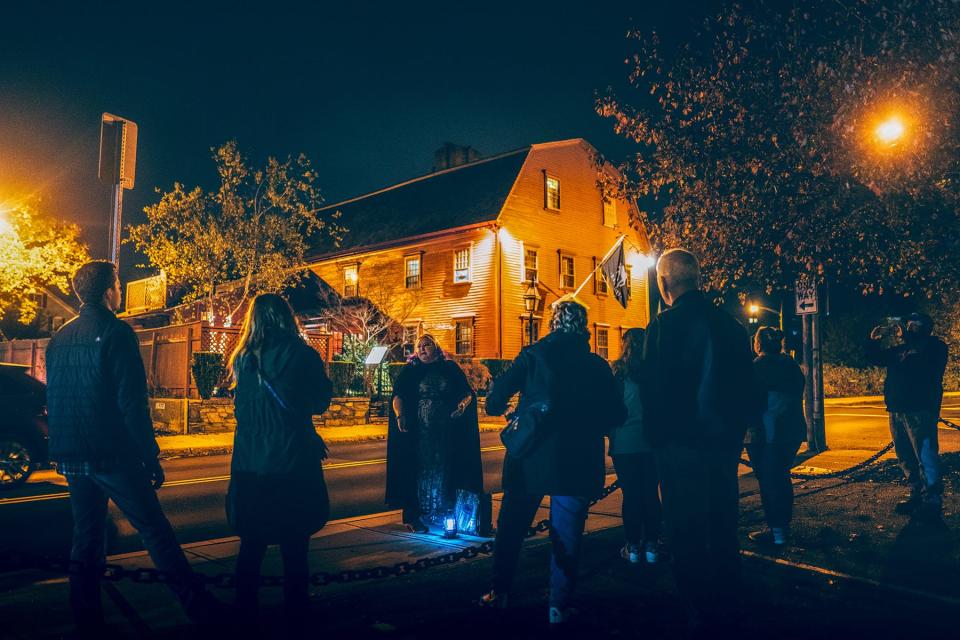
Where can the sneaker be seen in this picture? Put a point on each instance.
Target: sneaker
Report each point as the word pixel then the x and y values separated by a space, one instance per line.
pixel 493 600
pixel 630 553
pixel 651 553
pixel 907 507
pixel 766 537
pixel 560 615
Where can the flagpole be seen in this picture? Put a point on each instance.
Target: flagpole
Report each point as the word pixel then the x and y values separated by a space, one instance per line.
pixel 609 253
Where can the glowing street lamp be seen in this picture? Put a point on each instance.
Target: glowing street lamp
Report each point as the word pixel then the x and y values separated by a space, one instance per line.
pixel 890 131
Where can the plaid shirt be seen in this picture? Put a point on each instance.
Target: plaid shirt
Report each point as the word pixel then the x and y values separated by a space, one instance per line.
pixel 73 468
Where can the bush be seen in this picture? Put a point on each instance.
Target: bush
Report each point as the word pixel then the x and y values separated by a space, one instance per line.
pixel 207 369
pixel 840 381
pixel 496 367
pixel 477 375
pixel 345 378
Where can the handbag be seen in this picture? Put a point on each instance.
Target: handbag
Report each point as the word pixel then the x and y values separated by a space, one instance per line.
pixel 525 429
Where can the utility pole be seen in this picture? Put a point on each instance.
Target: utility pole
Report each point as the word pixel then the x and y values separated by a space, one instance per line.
pixel 117 168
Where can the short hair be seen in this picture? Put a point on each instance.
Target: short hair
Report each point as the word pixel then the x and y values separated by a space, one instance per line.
pixel 94 279
pixel 569 317
pixel 680 269
pixel 769 340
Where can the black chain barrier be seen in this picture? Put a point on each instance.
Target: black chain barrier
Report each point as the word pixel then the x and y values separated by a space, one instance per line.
pixel 952 425
pixel 149 575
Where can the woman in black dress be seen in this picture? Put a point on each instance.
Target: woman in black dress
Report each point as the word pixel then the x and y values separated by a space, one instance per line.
pixel 433 444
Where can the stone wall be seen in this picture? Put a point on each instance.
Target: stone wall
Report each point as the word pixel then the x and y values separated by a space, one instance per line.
pixel 216 415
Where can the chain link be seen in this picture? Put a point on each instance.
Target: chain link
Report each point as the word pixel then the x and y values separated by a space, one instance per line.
pixel 842 473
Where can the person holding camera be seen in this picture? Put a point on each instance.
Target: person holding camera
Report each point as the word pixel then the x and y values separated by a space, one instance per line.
pixel 913 392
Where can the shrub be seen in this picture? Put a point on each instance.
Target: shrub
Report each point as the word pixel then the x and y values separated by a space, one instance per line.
pixel 207 369
pixel 343 375
pixel 840 381
pixel 495 367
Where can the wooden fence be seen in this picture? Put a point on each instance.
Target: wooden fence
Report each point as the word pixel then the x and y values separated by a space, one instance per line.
pixel 167 353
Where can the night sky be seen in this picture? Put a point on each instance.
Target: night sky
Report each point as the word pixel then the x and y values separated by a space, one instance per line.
pixel 367 92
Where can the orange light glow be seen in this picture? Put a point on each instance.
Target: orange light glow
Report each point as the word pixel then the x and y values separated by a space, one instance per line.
pixel 890 131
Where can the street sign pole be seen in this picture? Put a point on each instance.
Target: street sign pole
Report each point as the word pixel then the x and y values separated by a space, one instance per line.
pixel 807 307
pixel 116 200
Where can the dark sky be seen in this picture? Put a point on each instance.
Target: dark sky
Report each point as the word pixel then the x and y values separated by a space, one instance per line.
pixel 368 92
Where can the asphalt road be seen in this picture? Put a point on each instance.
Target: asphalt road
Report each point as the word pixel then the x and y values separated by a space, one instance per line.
pixel 36 517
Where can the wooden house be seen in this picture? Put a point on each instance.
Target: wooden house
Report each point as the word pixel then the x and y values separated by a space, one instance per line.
pixel 452 253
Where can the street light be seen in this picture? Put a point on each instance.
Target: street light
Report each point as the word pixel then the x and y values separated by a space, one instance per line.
pixel 890 131
pixel 755 310
pixel 531 300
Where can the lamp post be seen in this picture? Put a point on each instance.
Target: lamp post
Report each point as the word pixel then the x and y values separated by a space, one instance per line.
pixel 755 309
pixel 531 300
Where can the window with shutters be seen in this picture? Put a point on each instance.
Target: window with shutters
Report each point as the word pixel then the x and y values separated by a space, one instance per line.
pixel 530 261
pixel 461 265
pixel 568 276
pixel 602 340
pixel 412 272
pixel 464 336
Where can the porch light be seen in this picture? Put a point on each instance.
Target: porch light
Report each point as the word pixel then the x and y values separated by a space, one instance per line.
pixel 531 298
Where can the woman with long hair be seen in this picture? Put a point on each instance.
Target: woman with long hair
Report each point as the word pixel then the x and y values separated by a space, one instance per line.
pixel 773 445
pixel 634 460
pixel 277 492
pixel 434 470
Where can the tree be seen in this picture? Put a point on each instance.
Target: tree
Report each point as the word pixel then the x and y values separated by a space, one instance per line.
pixel 36 253
pixel 255 228
pixel 760 147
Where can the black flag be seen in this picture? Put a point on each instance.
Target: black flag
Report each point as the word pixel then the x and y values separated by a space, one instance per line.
pixel 615 269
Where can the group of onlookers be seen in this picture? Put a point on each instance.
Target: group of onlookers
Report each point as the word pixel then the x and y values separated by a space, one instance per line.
pixel 677 407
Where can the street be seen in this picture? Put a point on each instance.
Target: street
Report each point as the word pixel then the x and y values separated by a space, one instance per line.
pixel 36 517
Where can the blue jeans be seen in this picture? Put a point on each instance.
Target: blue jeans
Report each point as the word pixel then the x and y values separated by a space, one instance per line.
pixel 915 440
pixel 131 491
pixel 567 517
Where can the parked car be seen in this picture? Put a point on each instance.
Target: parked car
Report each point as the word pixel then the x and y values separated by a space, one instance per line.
pixel 23 424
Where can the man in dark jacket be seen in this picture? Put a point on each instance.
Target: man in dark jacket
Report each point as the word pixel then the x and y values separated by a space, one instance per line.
pixel 101 438
pixel 583 402
pixel 698 404
pixel 913 392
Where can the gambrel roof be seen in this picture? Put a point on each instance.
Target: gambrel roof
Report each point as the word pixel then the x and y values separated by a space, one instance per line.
pixel 462 196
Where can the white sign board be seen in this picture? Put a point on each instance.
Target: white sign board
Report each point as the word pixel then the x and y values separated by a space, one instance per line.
pixel 806 299
pixel 376 355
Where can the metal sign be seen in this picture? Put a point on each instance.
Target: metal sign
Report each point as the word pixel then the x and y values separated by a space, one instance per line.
pixel 118 151
pixel 806 299
pixel 376 355
pixel 148 294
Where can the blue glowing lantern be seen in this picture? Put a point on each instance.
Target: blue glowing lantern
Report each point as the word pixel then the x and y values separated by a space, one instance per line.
pixel 450 527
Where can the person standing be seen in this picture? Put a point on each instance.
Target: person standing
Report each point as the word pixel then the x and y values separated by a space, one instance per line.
pixel 634 460
pixel 434 471
pixel 698 401
pixel 913 393
pixel 277 492
pixel 773 444
pixel 566 463
pixel 102 441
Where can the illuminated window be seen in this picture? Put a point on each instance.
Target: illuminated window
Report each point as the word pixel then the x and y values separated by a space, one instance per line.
pixel 412 272
pixel 629 282
pixel 602 339
pixel 610 213
pixel 530 260
pixel 464 337
pixel 568 278
pixel 600 287
pixel 351 281
pixel 551 192
pixel 461 265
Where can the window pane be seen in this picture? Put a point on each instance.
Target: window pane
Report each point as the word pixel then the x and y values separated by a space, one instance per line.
pixel 461 265
pixel 553 192
pixel 412 279
pixel 350 281
pixel 464 337
pixel 567 276
pixel 525 327
pixel 530 264
pixel 601 282
pixel 610 213
pixel 603 345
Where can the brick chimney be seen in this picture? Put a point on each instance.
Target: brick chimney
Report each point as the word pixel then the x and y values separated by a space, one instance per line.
pixel 453 155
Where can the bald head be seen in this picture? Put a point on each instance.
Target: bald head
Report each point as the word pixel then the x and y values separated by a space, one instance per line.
pixel 677 273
